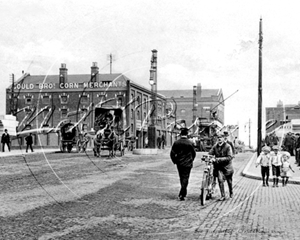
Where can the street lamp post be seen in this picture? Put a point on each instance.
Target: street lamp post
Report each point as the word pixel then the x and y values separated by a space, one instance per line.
pixel 153 84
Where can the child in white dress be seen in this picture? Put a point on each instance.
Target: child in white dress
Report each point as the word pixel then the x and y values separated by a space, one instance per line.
pixel 286 168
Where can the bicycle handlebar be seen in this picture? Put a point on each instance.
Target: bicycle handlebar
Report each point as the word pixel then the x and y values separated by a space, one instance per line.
pixel 208 158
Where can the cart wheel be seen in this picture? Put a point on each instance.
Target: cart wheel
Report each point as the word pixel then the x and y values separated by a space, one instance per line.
pixel 69 148
pixel 62 147
pixel 77 146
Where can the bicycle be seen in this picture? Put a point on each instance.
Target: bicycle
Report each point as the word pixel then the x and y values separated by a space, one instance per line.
pixel 208 181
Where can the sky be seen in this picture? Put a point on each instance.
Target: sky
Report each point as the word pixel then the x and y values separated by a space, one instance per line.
pixel 214 43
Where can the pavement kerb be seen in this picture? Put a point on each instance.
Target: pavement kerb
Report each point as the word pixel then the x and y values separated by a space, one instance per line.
pixel 19 152
pixel 246 172
pixel 249 174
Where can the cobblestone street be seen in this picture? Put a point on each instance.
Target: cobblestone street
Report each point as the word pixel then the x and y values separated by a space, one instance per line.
pixel 140 202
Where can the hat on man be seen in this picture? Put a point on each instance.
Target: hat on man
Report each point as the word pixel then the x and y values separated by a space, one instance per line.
pixel 219 135
pixel 184 131
pixel 225 133
pixel 266 149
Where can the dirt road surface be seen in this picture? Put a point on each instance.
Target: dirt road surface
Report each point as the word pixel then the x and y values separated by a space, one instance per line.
pixel 78 196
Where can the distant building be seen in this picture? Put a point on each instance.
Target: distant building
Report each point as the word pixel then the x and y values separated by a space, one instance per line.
pixel 281 114
pixel 208 104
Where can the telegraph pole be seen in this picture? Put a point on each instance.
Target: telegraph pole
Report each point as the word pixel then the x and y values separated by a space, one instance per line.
pixel 259 89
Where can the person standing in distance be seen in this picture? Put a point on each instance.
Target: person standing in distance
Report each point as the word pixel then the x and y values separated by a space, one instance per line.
pixel 5 139
pixel 223 169
pixel 29 142
pixel 183 155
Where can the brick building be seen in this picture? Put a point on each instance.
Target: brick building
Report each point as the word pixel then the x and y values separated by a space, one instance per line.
pixel 281 114
pixel 40 101
pixel 197 102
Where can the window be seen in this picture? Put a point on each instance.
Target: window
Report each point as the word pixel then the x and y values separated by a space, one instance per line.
pixel 45 112
pixel 138 100
pixel 64 99
pixel 28 99
pixel 84 98
pixel 64 112
pixel 46 99
pixel 102 97
pixel 119 102
pixel 138 115
pixel 145 105
pixel 159 108
pixel 45 124
pixel 131 113
pixel 84 127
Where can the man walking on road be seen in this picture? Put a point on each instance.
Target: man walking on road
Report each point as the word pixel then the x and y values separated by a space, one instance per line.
pixel 5 139
pixel 223 169
pixel 183 155
pixel 29 142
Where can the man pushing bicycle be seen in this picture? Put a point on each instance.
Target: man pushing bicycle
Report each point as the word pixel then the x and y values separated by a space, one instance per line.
pixel 223 169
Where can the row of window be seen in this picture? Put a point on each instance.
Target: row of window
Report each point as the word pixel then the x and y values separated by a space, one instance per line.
pixel 64 99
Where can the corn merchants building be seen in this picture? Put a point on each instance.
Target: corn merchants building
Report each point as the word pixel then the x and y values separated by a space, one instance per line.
pixel 40 101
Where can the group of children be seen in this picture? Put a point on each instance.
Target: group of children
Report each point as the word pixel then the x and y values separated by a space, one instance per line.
pixel 278 161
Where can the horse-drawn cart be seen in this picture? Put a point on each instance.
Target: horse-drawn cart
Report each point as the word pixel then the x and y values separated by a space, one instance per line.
pixel 110 134
pixel 68 137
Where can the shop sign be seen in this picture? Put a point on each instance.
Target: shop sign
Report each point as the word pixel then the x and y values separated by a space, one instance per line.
pixel 70 85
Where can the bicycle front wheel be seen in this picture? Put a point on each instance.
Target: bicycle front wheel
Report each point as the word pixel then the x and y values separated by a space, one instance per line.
pixel 203 193
pixel 203 196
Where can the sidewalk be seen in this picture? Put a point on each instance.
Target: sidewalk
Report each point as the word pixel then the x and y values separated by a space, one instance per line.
pixel 16 152
pixel 252 172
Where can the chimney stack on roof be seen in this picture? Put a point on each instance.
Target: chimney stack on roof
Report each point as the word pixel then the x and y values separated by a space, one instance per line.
pixel 63 74
pixel 94 72
pixel 199 90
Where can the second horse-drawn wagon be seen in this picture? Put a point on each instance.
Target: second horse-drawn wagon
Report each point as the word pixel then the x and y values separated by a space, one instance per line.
pixel 68 137
pixel 110 134
pixel 71 137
